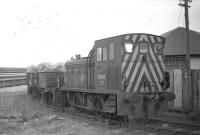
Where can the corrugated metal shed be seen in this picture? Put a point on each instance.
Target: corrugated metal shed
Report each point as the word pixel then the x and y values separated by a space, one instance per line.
pixel 176 42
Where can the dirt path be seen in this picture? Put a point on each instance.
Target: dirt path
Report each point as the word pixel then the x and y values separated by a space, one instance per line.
pixel 28 116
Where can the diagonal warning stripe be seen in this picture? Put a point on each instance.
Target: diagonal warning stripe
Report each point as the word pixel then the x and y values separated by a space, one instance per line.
pixel 144 38
pixel 125 61
pixel 155 62
pixel 127 37
pixel 132 61
pixel 141 85
pixel 144 70
pixel 154 76
pixel 134 73
pixel 134 38
pixel 159 39
pixel 152 39
pixel 161 62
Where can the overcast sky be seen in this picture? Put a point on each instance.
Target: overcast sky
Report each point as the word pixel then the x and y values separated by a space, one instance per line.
pixel 35 31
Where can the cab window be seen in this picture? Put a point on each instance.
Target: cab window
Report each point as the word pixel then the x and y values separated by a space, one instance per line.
pixel 112 50
pixel 104 53
pixel 158 48
pixel 144 47
pixel 101 54
pixel 128 47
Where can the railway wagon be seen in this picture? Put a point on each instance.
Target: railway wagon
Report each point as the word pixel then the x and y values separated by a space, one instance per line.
pixel 44 84
pixel 32 81
pixel 28 79
pixel 46 80
pixel 47 83
pixel 122 75
pixel 29 82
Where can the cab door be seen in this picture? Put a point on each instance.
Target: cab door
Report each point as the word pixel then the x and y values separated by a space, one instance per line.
pixel 101 68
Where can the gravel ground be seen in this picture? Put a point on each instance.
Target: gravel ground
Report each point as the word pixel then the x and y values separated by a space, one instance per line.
pixel 27 116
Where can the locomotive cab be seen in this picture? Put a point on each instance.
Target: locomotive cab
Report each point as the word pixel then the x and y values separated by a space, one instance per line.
pixel 107 64
pixel 130 63
pixel 142 63
pixel 143 70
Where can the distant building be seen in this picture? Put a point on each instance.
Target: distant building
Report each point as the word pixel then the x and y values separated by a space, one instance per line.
pixel 175 53
pixel 175 48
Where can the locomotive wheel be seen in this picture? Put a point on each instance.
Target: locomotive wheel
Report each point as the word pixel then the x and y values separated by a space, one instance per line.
pixel 98 104
pixel 29 89
pixel 34 94
pixel 48 97
pixel 39 95
pixel 77 100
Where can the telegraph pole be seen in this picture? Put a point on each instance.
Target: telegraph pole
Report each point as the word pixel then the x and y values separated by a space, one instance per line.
pixel 188 71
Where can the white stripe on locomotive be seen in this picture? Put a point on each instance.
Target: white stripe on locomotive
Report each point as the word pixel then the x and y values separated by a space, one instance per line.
pixel 127 37
pixel 134 73
pixel 159 39
pixel 161 62
pixel 144 70
pixel 154 76
pixel 125 61
pixel 144 38
pixel 134 38
pixel 152 39
pixel 132 61
pixel 155 62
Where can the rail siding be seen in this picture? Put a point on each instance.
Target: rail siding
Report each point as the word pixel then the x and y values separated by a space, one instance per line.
pixel 12 77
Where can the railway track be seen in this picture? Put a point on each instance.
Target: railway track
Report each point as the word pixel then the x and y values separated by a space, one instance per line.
pixel 84 115
pixel 154 125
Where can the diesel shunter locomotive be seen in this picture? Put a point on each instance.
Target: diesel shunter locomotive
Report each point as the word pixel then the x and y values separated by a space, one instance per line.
pixel 122 75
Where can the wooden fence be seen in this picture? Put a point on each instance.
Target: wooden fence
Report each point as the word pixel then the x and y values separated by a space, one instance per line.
pixel 185 100
pixel 195 98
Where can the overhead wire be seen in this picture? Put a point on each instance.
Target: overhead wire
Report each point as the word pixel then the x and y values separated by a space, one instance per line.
pixel 179 17
pixel 155 15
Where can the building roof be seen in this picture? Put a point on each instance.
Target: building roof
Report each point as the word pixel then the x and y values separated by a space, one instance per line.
pixel 175 42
